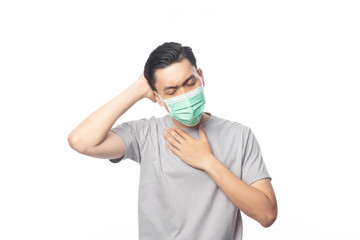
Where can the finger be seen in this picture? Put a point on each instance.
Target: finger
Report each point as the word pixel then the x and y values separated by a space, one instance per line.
pixel 181 132
pixel 202 133
pixel 173 149
pixel 174 134
pixel 171 140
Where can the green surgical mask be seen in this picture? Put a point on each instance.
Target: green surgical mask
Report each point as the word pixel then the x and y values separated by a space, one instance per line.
pixel 187 108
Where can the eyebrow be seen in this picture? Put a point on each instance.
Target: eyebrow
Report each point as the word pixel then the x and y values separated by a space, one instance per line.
pixel 188 79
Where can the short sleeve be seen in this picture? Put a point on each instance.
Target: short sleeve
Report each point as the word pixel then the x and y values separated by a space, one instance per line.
pixel 253 165
pixel 133 134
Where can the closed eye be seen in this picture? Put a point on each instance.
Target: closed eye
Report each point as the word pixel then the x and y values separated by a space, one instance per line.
pixel 191 81
pixel 191 84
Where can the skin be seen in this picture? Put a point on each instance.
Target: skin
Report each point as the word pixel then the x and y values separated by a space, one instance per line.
pixel 257 200
pixel 178 77
pixel 92 137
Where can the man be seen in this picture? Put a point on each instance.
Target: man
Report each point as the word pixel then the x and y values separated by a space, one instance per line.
pixel 197 170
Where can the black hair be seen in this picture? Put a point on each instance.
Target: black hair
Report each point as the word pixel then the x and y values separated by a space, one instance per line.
pixel 165 55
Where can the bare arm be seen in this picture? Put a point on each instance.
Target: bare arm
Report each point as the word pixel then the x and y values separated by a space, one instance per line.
pixel 257 200
pixel 93 137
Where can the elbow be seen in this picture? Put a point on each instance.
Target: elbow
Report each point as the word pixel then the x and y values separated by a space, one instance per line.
pixel 269 219
pixel 268 222
pixel 75 143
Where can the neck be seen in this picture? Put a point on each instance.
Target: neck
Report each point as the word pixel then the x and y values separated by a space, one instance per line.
pixel 204 118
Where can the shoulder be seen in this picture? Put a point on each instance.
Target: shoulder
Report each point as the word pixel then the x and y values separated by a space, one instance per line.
pixel 231 129
pixel 144 124
pixel 230 125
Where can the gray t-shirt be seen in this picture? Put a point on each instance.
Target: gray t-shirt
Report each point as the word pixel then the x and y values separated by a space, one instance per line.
pixel 177 201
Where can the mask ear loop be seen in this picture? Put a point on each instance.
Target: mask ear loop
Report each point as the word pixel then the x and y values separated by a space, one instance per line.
pixel 201 82
pixel 162 100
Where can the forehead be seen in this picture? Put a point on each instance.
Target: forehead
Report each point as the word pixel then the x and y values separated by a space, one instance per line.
pixel 174 74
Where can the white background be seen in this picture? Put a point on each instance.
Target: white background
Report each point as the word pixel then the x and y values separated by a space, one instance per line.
pixel 287 69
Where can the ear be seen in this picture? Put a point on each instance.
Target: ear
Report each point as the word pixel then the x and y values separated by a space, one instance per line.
pixel 200 72
pixel 158 99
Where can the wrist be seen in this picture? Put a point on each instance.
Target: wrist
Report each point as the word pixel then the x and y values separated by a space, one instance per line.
pixel 210 163
pixel 138 90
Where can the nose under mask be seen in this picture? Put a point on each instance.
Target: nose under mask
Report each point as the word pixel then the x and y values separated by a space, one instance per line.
pixel 187 108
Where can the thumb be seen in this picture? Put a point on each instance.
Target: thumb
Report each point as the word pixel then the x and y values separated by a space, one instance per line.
pixel 202 134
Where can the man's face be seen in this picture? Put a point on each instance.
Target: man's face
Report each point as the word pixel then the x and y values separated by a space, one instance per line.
pixel 177 79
